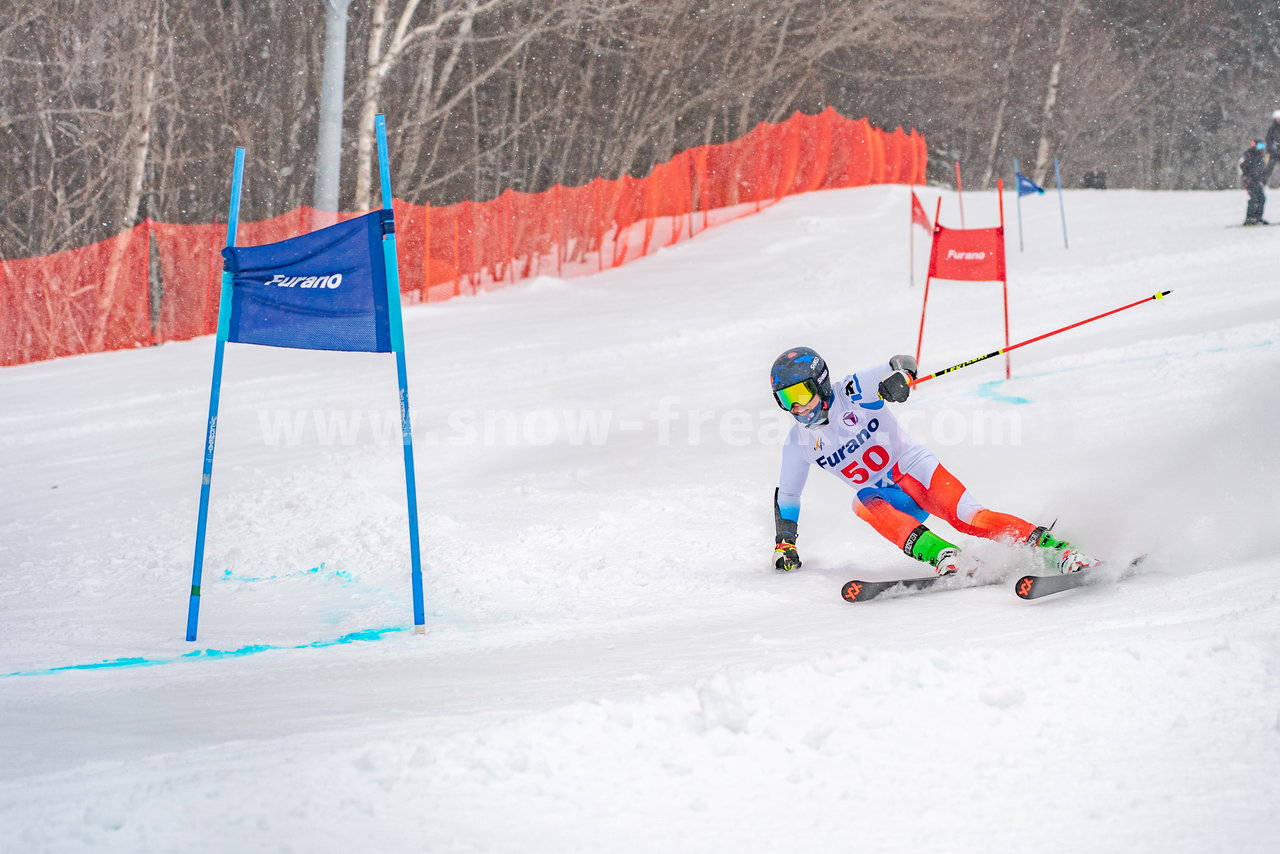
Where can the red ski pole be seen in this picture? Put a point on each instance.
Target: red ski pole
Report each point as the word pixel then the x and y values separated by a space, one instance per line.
pixel 1160 295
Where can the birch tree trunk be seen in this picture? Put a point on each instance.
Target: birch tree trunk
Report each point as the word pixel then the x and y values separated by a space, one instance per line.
pixel 997 129
pixel 1051 92
pixel 375 70
pixel 138 148
pixel 380 61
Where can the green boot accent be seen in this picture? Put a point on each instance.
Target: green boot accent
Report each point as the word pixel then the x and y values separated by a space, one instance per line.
pixel 924 545
pixel 1046 540
pixel 1053 547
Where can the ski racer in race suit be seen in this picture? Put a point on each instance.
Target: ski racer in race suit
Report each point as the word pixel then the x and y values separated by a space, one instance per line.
pixel 848 431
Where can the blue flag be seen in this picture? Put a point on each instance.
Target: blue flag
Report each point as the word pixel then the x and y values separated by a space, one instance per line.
pixel 326 290
pixel 1026 186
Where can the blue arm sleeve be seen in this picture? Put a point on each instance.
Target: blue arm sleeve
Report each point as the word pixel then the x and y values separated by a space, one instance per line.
pixel 791 481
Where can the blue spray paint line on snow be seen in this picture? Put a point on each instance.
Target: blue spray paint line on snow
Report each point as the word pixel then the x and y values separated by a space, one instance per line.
pixel 340 574
pixel 363 636
pixel 988 389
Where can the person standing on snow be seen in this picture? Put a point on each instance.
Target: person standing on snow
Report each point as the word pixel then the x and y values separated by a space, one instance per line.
pixel 1253 173
pixel 849 432
pixel 1273 143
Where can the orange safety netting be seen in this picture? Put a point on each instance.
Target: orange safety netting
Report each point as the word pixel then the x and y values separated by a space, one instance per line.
pixel 97 297
pixel 80 301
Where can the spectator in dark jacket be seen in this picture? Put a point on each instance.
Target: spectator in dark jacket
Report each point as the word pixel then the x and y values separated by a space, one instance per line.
pixel 1254 172
pixel 1273 143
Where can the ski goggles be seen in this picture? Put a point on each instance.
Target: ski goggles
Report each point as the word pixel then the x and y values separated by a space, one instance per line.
pixel 797 394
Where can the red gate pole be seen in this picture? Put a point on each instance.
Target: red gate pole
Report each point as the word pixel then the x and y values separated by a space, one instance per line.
pixel 929 276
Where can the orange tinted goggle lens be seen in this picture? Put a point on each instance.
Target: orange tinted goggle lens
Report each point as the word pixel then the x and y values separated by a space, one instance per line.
pixel 794 395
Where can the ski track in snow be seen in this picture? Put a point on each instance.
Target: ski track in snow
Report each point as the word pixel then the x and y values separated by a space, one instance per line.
pixel 611 665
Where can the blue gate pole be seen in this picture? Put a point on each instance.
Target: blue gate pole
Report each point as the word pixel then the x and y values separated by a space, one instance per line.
pixel 396 323
pixel 1017 197
pixel 215 388
pixel 1062 208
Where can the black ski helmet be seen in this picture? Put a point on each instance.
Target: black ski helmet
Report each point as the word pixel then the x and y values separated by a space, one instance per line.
pixel 800 366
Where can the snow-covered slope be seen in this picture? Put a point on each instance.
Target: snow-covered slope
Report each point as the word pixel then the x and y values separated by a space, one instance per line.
pixel 611 663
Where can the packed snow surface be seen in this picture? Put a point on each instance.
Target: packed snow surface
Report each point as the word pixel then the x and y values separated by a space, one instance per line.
pixel 611 663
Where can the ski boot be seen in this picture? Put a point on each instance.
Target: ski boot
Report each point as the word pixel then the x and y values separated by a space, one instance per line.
pixel 926 546
pixel 948 562
pixel 1058 554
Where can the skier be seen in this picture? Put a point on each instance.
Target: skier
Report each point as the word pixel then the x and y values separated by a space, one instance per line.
pixel 1253 173
pixel 848 431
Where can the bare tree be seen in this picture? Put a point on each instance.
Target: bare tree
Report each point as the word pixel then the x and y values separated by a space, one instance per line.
pixel 115 110
pixel 1069 9
pixel 136 143
pixel 383 53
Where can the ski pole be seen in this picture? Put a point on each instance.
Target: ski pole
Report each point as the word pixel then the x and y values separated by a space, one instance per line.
pixel 1160 295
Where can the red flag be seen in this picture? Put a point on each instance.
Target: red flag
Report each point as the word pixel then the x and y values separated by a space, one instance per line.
pixel 968 255
pixel 918 216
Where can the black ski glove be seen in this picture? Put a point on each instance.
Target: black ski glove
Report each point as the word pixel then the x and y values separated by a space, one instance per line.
pixel 897 386
pixel 785 556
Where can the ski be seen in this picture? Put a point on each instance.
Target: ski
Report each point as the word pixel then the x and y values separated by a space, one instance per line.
pixel 861 591
pixel 1036 586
